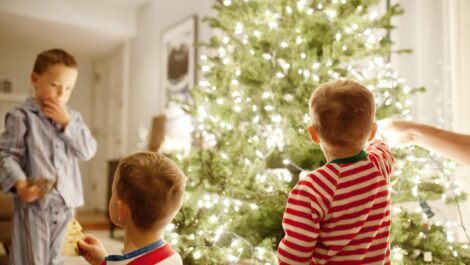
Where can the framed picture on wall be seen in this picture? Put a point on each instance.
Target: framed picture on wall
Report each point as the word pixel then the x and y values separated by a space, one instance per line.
pixel 179 59
pixel 6 85
pixel 178 77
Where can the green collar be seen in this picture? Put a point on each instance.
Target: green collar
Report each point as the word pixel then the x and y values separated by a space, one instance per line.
pixel 350 159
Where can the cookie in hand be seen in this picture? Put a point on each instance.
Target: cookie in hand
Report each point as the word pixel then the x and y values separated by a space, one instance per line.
pixel 74 234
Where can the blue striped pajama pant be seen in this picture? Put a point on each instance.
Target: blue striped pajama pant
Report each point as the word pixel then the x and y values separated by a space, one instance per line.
pixel 39 231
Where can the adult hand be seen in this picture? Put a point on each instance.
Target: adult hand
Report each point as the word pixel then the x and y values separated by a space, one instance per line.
pixel 396 132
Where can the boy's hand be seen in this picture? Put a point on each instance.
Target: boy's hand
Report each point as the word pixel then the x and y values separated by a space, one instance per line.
pixel 56 111
pixel 92 250
pixel 26 192
pixel 396 132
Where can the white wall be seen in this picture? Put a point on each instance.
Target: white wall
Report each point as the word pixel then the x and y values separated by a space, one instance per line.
pixel 17 62
pixel 144 94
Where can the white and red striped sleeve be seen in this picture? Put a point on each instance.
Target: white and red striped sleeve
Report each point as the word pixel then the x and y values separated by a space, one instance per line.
pixel 381 156
pixel 307 205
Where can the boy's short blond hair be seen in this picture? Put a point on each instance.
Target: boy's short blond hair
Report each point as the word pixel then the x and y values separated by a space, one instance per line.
pixel 52 57
pixel 152 186
pixel 342 112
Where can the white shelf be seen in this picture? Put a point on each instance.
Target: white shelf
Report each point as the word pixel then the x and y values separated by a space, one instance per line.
pixel 13 98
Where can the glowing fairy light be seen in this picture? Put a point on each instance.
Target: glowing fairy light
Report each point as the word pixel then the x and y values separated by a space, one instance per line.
pixel 373 15
pixel 288 97
pixel 222 52
pixel 331 13
pixel 276 118
pixel 338 36
pixel 239 28
pixel 197 254
pixel 205 68
pixel 301 4
pixel 306 73
pixel 213 219
pixel 272 24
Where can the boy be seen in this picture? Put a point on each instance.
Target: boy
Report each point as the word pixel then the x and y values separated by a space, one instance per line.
pixel 449 144
pixel 340 213
pixel 147 193
pixel 39 153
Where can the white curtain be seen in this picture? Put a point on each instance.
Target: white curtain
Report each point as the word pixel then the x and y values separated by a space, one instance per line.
pixel 437 31
pixel 424 28
pixel 458 12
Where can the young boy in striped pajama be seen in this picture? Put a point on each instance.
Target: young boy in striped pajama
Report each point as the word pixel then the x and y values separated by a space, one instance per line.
pixel 340 213
pixel 147 193
pixel 39 153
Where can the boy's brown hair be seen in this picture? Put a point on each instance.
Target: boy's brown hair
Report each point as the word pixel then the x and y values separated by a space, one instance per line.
pixel 52 57
pixel 342 112
pixel 152 186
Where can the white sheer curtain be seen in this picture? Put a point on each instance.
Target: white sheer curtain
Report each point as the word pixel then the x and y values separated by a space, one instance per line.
pixel 437 31
pixel 459 19
pixel 424 28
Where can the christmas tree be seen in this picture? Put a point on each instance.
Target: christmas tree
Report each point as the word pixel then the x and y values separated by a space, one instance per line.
pixel 250 113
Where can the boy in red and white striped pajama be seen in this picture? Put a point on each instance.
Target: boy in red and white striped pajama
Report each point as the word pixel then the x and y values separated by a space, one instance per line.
pixel 340 213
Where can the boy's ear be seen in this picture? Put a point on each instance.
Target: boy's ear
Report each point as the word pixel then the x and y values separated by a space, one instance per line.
pixel 34 77
pixel 373 131
pixel 123 211
pixel 313 135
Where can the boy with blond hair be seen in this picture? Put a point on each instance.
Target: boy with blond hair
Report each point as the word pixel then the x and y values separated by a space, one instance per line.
pixel 147 193
pixel 340 213
pixel 39 153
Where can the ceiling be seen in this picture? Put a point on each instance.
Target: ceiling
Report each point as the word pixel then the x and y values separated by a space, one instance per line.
pixel 19 29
